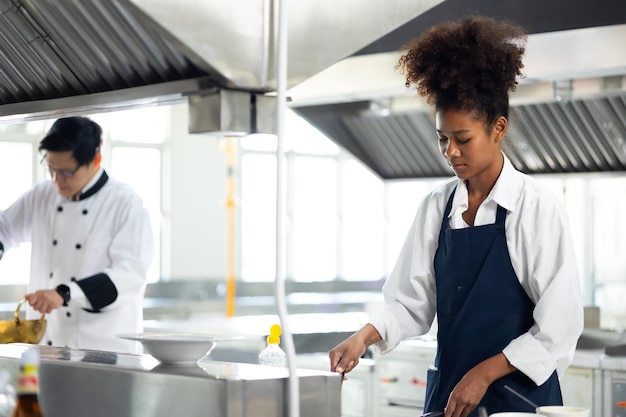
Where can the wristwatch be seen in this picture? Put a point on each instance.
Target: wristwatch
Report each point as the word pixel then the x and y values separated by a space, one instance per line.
pixel 64 291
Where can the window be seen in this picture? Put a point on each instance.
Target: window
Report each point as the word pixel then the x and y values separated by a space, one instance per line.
pixel 329 195
pixel 145 178
pixel 402 201
pixel 313 219
pixel 16 164
pixel 258 217
pixel 608 227
pixel 132 142
pixel 363 227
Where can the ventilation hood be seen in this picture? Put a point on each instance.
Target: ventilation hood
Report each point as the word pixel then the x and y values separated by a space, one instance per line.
pixel 81 56
pixel 568 115
pixel 86 56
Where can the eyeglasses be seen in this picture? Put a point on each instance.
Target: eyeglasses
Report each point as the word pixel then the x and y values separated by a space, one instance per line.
pixel 67 173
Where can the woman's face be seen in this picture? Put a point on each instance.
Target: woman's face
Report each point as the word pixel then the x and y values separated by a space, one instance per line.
pixel 469 149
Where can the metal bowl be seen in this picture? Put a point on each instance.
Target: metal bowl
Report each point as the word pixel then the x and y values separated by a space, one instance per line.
pixel 22 331
pixel 174 348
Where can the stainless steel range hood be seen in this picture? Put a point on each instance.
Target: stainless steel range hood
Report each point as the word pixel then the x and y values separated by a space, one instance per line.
pixel 237 37
pixel 81 56
pixel 85 56
pixel 240 43
pixel 568 115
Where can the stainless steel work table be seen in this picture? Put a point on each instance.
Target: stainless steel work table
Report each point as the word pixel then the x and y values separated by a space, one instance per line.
pixel 78 383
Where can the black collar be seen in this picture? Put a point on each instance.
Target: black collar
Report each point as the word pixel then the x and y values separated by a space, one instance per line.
pixel 96 187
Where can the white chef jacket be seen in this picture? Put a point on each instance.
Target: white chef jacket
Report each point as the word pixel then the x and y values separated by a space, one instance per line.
pixel 108 233
pixel 542 255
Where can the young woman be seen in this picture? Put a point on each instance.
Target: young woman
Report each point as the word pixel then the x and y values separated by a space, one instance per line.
pixel 489 252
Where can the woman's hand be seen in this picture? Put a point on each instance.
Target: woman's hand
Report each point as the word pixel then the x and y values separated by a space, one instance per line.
pixel 345 356
pixel 467 394
pixel 44 301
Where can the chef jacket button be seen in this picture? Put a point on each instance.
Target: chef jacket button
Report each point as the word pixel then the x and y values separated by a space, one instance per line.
pixel 49 342
pixel 85 211
pixel 78 246
pixel 460 287
pixel 68 314
pixel 54 242
pixel 60 209
pixel 51 274
pixel 73 279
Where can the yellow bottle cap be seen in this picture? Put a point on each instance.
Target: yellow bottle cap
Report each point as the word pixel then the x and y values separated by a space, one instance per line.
pixel 275 332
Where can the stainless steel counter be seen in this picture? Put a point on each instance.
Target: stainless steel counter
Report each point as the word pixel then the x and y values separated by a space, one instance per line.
pixel 312 333
pixel 102 384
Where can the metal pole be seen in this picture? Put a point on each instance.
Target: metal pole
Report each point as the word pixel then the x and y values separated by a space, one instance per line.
pixel 281 89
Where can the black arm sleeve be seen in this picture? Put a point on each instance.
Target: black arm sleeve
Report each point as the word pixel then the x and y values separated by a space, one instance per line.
pixel 99 290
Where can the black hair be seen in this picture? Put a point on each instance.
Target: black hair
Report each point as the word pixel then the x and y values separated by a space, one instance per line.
pixel 468 65
pixel 80 135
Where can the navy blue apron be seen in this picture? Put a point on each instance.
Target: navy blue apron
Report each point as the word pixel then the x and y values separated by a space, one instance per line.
pixel 481 307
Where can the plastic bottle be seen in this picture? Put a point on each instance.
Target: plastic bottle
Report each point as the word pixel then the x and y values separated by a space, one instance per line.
pixel 28 385
pixel 7 394
pixel 273 355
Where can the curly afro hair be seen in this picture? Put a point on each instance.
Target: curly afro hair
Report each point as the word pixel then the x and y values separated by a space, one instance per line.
pixel 468 65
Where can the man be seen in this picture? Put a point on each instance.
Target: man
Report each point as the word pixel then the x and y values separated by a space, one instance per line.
pixel 91 244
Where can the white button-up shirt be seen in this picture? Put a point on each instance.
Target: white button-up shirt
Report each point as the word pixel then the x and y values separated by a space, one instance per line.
pixel 106 233
pixel 542 255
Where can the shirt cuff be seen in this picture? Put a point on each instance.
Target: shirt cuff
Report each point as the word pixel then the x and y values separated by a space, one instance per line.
pixel 383 346
pixel 528 355
pixel 76 293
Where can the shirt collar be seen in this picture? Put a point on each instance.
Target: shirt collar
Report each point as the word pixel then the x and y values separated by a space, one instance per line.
pixel 504 192
pixel 93 185
pixel 507 188
pixel 93 180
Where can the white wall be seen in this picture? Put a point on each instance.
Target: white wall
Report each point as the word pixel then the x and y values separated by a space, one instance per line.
pixel 197 197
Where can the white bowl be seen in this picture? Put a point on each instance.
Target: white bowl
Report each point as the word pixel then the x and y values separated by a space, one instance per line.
pixel 562 411
pixel 512 414
pixel 177 348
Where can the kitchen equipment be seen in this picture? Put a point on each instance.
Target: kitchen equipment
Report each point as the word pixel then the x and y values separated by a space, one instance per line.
pixel 617 350
pixel 614 382
pixel 22 331
pixel 553 410
pixel 562 411
pixel 177 348
pixel 139 386
pixel 401 377
pixel 357 390
pixel 432 414
pixel 521 396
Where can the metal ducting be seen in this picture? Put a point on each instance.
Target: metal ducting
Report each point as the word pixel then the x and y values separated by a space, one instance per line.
pixel 81 56
pixel 238 39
